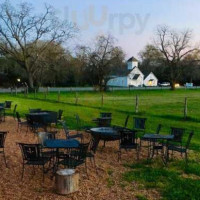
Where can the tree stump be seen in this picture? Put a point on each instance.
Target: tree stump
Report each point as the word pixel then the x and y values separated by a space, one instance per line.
pixel 67 181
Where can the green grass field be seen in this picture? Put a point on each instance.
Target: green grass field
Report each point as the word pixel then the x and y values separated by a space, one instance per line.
pixel 177 181
pixel 165 107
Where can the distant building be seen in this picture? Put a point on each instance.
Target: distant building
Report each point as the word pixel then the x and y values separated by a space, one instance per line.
pixel 133 77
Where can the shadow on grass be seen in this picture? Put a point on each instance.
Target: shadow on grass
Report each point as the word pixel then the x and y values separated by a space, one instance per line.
pixel 178 118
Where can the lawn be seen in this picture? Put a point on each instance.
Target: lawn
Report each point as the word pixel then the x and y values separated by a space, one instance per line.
pixel 158 106
pixel 176 181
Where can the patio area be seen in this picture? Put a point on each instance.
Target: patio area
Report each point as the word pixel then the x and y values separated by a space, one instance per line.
pixel 104 185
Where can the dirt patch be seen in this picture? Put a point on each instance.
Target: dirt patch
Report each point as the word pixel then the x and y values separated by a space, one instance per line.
pixel 106 184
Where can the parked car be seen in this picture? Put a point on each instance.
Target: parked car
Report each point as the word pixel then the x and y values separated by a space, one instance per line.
pixel 164 84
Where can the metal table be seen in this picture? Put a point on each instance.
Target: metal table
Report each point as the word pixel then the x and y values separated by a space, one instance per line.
pixel 60 144
pixel 105 133
pixel 153 139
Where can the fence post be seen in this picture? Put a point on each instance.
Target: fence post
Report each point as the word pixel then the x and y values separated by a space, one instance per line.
pixel 76 98
pixel 136 104
pixel 102 100
pixel 58 95
pixel 185 108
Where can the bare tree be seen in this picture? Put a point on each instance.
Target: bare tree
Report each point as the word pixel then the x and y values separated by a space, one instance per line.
pixel 20 27
pixel 174 46
pixel 101 57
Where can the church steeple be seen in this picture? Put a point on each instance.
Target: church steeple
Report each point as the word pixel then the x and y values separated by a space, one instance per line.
pixel 132 63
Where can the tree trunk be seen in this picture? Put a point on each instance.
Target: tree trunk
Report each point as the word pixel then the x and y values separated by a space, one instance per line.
pixel 173 85
pixel 30 80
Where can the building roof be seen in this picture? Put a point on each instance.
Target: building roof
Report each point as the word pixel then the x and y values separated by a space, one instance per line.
pixel 132 59
pixel 136 76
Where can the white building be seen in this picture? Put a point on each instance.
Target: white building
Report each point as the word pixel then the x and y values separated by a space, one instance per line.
pixel 133 77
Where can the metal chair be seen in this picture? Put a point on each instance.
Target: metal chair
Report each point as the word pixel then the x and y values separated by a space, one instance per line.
pixel 31 154
pixel 68 136
pixel 176 148
pixel 128 140
pixel 76 158
pixel 21 123
pixel 14 111
pixel 8 104
pixel 125 124
pixel 59 117
pixel 2 143
pixel 178 134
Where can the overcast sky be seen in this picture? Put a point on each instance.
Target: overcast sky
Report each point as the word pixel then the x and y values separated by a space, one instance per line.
pixel 132 22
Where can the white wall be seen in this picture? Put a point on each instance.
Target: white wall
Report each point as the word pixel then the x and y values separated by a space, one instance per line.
pixel 118 81
pixel 131 65
pixel 148 78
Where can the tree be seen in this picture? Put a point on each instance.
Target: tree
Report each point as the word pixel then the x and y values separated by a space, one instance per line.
pixel 20 27
pixel 174 46
pixel 101 58
pixel 152 60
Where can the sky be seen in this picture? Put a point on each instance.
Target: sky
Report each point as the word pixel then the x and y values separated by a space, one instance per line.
pixel 132 22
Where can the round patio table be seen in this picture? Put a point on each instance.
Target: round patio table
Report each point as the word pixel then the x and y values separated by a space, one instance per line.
pixel 105 133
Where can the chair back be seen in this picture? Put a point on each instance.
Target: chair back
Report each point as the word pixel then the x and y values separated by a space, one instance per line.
pixel 105 114
pixel 78 122
pixel 178 133
pixel 35 110
pixel 60 112
pixel 2 138
pixel 94 142
pixel 42 136
pixel 30 152
pixel 82 151
pixel 126 121
pixel 189 139
pixel 158 128
pixel 8 104
pixel 15 108
pixel 65 128
pixel 2 104
pixel 139 123
pixel 18 117
pixel 127 137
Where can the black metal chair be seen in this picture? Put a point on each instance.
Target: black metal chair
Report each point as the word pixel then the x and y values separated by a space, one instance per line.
pixel 8 104
pixel 42 136
pixel 14 111
pixel 125 123
pixel 105 114
pixel 71 136
pixel 128 141
pixel 176 148
pixel 2 144
pixel 32 156
pixel 76 157
pixel 21 123
pixel 178 134
pixel 60 113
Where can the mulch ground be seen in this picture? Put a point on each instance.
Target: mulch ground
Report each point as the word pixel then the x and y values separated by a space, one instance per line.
pixel 105 185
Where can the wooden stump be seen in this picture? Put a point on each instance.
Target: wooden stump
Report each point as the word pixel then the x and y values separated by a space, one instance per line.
pixel 67 181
